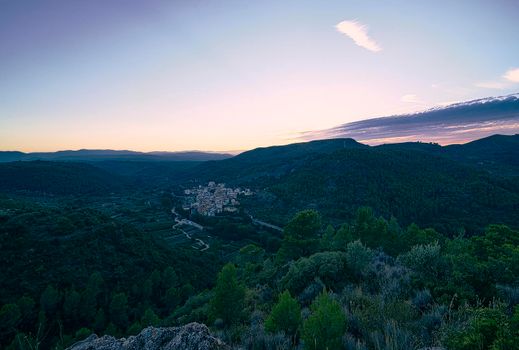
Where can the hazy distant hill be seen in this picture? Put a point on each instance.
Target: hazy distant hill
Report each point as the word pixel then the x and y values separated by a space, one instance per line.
pixel 101 155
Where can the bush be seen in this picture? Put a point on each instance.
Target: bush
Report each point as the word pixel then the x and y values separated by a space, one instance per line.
pixel 326 325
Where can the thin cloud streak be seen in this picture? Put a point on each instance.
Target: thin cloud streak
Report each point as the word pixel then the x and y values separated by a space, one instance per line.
pixel 358 32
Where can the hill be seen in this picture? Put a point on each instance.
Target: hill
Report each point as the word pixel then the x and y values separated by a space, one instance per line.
pixel 58 178
pixel 86 155
pixel 266 161
pixel 498 154
pixel 441 187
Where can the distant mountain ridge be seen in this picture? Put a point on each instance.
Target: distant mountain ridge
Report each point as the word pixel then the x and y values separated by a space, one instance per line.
pixel 101 155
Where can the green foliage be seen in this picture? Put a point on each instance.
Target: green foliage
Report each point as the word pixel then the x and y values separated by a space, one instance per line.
pixel 150 318
pixel 300 235
pixel 285 315
pixel 83 333
pixel 488 328
pixel 358 257
pixel 169 278
pixel 228 300
pixel 119 310
pixel 423 259
pixel 10 316
pixel 304 225
pixel 49 300
pixel 329 267
pixel 326 324
pixel 71 305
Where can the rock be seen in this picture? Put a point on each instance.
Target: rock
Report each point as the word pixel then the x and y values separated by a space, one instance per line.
pixel 193 336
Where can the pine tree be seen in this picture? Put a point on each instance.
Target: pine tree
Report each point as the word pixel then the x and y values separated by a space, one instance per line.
pixel 285 315
pixel 119 310
pixel 324 328
pixel 227 302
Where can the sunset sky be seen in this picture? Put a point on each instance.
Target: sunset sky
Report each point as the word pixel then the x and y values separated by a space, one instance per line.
pixel 232 75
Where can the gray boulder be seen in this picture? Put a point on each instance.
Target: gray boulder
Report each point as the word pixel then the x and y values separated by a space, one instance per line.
pixel 193 336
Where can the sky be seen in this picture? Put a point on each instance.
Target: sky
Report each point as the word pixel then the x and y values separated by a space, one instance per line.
pixel 223 75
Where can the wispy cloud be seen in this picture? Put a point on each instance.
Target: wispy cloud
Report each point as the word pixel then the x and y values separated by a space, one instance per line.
pixel 455 123
pixel 491 85
pixel 358 32
pixel 512 75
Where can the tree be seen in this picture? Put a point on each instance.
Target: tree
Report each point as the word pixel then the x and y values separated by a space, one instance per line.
pixel 89 296
pixel 171 299
pixel 305 224
pixel 300 235
pixel 229 295
pixel 329 267
pixel 10 316
pixel 119 310
pixel 49 300
pixel 327 241
pixel 150 318
pixel 155 279
pixel 28 312
pixel 71 305
pixel 425 260
pixel 285 315
pixel 324 328
pixel 169 278
pixel 358 257
pixel 99 321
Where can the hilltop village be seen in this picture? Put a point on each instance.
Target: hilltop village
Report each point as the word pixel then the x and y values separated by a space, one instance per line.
pixel 213 199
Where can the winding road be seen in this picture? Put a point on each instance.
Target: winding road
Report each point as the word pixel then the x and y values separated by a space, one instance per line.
pixel 265 224
pixel 190 223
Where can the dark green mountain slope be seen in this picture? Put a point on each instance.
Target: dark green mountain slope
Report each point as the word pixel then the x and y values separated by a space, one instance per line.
pixel 412 186
pixel 497 153
pixel 57 178
pixel 423 183
pixel 267 161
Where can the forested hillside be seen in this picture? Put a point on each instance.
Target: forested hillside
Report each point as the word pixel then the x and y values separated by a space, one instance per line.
pixel 450 188
pixel 57 178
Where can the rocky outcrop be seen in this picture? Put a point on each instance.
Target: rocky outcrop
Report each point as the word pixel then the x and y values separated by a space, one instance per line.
pixel 193 336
